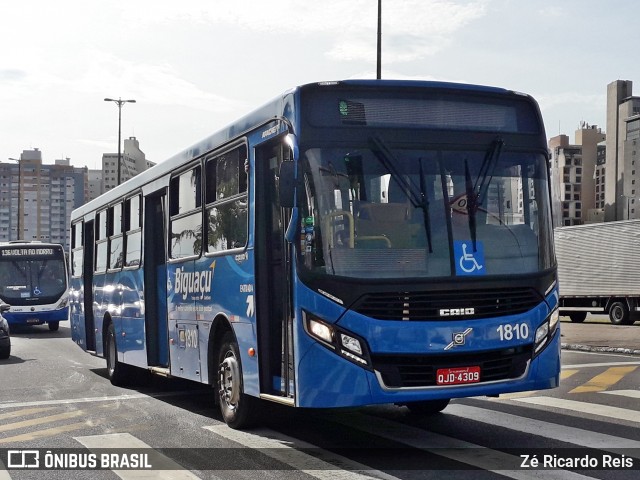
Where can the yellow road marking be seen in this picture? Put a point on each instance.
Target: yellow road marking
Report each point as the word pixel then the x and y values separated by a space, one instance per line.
pixel 25 411
pixel 564 374
pixel 49 432
pixel 41 420
pixel 606 379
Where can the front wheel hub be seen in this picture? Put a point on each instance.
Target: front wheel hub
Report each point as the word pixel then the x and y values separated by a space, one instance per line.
pixel 229 375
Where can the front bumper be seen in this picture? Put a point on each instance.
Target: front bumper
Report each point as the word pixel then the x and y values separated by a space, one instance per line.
pixel 341 383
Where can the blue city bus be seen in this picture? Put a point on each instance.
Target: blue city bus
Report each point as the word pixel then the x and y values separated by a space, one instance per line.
pixel 34 281
pixel 349 243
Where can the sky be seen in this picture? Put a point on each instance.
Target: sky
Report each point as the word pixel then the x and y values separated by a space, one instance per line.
pixel 194 66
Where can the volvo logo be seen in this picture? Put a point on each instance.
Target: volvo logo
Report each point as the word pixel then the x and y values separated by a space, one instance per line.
pixel 459 339
pixel 456 312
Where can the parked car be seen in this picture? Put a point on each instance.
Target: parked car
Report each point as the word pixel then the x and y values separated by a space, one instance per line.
pixel 5 339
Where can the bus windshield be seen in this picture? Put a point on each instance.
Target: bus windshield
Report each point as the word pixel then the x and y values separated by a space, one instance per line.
pixel 378 211
pixel 32 275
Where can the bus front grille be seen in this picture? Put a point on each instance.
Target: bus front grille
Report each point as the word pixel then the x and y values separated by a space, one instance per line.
pixel 427 306
pixel 406 371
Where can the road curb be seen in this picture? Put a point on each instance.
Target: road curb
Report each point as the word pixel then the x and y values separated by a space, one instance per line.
pixel 590 348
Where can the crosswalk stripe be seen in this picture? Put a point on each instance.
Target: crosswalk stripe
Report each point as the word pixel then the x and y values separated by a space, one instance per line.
pixel 454 449
pixel 601 382
pixel 583 407
pixel 67 401
pixel 173 470
pixel 278 446
pixel 511 396
pixel 605 364
pixel 4 474
pixel 114 398
pixel 563 433
pixel 624 393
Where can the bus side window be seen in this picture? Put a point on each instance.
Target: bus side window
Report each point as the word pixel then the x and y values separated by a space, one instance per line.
pixel 116 253
pixel 185 202
pixel 101 242
pixel 77 250
pixel 226 198
pixel 133 232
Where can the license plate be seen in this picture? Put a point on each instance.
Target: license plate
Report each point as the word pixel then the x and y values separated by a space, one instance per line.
pixel 457 375
pixel 31 321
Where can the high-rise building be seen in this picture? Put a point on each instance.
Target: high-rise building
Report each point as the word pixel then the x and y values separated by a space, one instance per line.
pixel 133 162
pixel 36 200
pixel 95 184
pixel 575 187
pixel 622 180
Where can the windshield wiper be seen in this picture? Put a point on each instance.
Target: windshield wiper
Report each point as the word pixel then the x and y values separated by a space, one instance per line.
pixel 416 195
pixel 481 186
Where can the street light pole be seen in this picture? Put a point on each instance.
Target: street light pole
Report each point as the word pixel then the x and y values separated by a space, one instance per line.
pixel 119 102
pixel 19 226
pixel 379 49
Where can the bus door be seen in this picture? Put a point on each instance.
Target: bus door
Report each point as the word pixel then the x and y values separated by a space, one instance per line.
pixel 273 311
pixel 155 279
pixel 87 280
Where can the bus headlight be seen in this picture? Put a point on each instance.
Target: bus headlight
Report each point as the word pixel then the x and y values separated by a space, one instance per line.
pixel 344 343
pixel 545 332
pixel 351 343
pixel 320 330
pixel 62 303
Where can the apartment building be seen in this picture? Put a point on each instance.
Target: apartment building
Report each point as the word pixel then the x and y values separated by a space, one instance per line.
pixel 36 200
pixel 622 181
pixel 574 188
pixel 597 178
pixel 133 161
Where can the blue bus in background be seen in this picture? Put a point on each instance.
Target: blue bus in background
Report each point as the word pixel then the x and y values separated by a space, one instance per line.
pixel 34 281
pixel 349 243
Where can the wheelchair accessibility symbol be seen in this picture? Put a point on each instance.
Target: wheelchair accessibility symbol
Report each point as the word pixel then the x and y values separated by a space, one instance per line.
pixel 469 262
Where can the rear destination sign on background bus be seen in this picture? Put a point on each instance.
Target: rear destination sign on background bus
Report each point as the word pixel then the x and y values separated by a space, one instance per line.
pixel 25 252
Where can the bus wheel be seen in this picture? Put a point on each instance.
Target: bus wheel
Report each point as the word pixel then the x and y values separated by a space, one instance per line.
pixel 53 326
pixel 238 410
pixel 116 371
pixel 428 407
pixel 578 317
pixel 619 313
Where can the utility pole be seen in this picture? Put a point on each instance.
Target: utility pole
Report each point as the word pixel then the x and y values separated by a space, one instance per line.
pixel 379 72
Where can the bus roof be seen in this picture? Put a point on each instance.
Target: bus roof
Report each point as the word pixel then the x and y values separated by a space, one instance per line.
pixel 273 110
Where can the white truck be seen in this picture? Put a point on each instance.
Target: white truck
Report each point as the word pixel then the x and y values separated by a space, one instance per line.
pixel 599 270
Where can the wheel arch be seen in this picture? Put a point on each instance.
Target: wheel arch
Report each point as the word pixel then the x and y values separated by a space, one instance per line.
pixel 220 325
pixel 106 321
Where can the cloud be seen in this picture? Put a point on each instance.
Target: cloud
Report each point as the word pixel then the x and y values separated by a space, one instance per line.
pixel 411 29
pixel 571 98
pixel 12 75
pixel 160 84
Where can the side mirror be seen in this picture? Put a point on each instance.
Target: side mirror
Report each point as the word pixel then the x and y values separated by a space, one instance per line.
pixel 287 184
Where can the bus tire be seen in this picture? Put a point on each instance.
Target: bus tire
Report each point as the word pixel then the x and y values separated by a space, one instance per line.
pixel 578 317
pixel 118 372
pixel 619 313
pixel 239 411
pixel 428 407
pixel 54 326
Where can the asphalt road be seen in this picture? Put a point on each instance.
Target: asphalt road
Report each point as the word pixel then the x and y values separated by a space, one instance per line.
pixel 55 396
